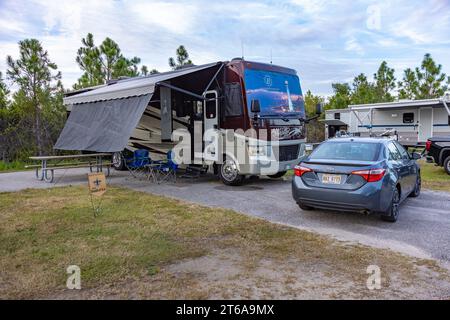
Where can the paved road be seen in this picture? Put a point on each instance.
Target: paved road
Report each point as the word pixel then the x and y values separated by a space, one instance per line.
pixel 423 228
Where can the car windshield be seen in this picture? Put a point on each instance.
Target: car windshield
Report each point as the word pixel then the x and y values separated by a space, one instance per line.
pixel 278 93
pixel 358 151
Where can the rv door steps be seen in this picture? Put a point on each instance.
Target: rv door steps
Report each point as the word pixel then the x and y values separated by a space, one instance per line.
pixel 194 171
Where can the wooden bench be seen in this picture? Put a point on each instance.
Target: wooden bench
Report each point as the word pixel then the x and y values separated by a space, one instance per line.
pixel 47 168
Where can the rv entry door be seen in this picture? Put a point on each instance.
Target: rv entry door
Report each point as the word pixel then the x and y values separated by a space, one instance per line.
pixel 210 124
pixel 425 124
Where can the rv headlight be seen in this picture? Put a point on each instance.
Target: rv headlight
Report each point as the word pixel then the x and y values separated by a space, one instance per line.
pixel 257 150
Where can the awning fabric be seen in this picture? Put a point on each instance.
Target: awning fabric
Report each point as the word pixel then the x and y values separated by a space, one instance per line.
pixel 103 126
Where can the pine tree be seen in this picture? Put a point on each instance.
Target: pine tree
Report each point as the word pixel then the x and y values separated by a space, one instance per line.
pixel 408 87
pixel 181 60
pixel 384 83
pixel 35 75
pixel 425 82
pixel 104 63
pixel 88 58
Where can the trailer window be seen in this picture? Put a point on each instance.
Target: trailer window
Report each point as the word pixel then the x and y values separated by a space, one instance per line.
pixel 337 116
pixel 408 117
pixel 449 120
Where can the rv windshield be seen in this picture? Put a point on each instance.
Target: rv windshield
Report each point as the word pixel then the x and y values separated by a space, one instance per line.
pixel 279 94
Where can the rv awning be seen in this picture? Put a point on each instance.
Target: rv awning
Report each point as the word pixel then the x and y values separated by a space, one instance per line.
pixel 334 122
pixel 133 86
pixel 103 119
pixel 103 126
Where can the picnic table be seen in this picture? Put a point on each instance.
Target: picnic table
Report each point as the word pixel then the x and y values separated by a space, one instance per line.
pixel 93 161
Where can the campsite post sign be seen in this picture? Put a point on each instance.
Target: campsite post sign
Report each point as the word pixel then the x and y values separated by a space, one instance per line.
pixel 97 183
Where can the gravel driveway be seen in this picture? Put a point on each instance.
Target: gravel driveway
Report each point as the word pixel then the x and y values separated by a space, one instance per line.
pixel 423 228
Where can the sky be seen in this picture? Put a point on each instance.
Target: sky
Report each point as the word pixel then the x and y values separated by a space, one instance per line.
pixel 325 41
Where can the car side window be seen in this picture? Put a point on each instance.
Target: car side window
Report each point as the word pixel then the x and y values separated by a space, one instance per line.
pixel 394 154
pixel 402 150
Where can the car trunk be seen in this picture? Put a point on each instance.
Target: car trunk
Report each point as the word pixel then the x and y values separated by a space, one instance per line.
pixel 335 174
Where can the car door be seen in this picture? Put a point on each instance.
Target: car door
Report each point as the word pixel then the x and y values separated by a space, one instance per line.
pixel 410 164
pixel 397 164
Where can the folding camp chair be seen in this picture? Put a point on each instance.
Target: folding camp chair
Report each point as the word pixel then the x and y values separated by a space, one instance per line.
pixel 165 170
pixel 139 165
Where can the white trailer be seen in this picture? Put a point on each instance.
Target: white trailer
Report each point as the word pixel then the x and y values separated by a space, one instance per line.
pixel 413 121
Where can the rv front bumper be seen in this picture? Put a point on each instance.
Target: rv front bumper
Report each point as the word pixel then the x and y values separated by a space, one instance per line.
pixel 267 168
pixel 267 165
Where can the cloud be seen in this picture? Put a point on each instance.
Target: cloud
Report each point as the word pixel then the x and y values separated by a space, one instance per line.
pixel 325 41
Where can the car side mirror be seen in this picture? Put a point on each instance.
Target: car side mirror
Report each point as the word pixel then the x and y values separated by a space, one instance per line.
pixel 255 106
pixel 416 156
pixel 319 108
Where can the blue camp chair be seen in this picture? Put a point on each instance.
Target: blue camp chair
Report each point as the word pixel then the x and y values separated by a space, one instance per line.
pixel 139 164
pixel 165 170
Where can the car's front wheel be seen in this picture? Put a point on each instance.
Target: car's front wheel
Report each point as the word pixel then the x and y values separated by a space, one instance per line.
pixel 391 214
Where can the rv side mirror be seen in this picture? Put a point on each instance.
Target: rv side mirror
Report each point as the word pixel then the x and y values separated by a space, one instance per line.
pixel 319 108
pixel 255 106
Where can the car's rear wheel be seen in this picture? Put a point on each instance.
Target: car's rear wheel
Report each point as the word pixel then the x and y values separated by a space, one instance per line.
pixel 277 175
pixel 447 165
pixel 304 207
pixel 391 214
pixel 417 187
pixel 229 173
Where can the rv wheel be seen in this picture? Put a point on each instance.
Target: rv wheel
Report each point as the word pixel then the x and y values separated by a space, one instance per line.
pixel 117 161
pixel 229 173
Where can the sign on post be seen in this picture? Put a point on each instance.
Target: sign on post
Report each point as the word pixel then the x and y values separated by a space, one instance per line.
pixel 97 183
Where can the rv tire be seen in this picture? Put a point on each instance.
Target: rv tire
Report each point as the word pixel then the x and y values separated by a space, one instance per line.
pixel 229 173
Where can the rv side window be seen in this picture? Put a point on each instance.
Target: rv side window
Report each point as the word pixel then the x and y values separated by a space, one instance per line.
pixel 337 116
pixel 408 117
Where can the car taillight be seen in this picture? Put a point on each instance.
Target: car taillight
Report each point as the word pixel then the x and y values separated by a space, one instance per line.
pixel 371 175
pixel 428 145
pixel 300 170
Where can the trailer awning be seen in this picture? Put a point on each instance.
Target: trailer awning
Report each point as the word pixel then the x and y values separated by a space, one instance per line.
pixel 103 119
pixel 334 122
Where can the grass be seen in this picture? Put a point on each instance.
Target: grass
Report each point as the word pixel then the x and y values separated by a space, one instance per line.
pixel 137 236
pixel 434 177
pixel 12 166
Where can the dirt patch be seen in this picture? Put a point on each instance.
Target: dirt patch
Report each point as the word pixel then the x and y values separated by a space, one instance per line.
pixel 233 275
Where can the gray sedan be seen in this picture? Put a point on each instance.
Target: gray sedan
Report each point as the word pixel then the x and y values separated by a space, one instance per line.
pixel 369 175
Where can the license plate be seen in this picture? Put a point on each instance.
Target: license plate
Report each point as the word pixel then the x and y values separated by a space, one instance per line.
pixel 331 179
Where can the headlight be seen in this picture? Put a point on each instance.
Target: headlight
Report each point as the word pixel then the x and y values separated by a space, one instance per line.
pixel 257 151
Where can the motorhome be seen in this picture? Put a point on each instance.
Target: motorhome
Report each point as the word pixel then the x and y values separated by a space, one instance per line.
pixel 412 122
pixel 237 95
